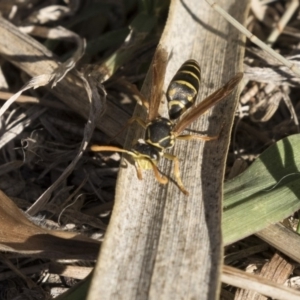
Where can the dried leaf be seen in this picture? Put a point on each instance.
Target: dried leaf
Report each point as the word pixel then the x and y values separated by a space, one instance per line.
pixel 18 234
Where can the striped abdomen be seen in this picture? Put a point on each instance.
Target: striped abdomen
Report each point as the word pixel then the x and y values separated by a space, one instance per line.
pixel 183 88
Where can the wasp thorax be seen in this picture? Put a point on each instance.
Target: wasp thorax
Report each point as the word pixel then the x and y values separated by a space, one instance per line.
pixel 159 133
pixel 147 150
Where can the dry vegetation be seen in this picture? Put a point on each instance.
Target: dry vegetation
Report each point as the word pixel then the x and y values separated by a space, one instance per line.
pixel 45 168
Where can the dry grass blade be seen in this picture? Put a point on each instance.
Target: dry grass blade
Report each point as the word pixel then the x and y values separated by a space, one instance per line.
pixel 34 83
pixel 28 99
pixel 265 287
pixel 28 281
pixel 13 165
pixel 96 109
pixel 56 75
pixel 283 239
pixel 36 60
pixel 19 235
pixel 278 270
pixel 64 34
pixel 83 201
pixel 282 23
pixel 51 13
pixel 160 244
pixel 253 38
pixel 96 102
pixel 77 272
pixel 15 129
pixel 271 71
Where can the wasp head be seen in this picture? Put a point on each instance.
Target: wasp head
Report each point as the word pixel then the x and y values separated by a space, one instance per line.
pixel 145 153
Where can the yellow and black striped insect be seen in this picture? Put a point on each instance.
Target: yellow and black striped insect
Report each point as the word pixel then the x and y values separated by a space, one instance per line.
pixel 183 88
pixel 161 133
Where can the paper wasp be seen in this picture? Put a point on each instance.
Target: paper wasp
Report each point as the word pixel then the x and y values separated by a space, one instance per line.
pixel 161 133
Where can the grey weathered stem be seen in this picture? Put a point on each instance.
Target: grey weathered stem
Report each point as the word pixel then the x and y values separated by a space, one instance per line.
pixel 161 244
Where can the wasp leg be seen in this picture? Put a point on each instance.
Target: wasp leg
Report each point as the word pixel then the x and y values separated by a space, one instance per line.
pixel 96 148
pixel 138 170
pixel 159 178
pixel 188 137
pixel 176 172
pixel 130 121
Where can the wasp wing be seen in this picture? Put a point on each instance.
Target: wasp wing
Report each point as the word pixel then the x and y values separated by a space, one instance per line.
pixel 207 103
pixel 158 75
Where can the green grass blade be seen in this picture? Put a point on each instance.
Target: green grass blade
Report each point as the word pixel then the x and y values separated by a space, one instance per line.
pixel 77 292
pixel 267 192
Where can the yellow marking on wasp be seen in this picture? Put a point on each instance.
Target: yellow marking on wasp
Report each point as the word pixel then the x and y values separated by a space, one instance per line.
pixel 157 145
pixel 191 63
pixel 191 66
pixel 172 92
pixel 177 102
pixel 187 84
pixel 166 138
pixel 144 163
pixel 190 73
